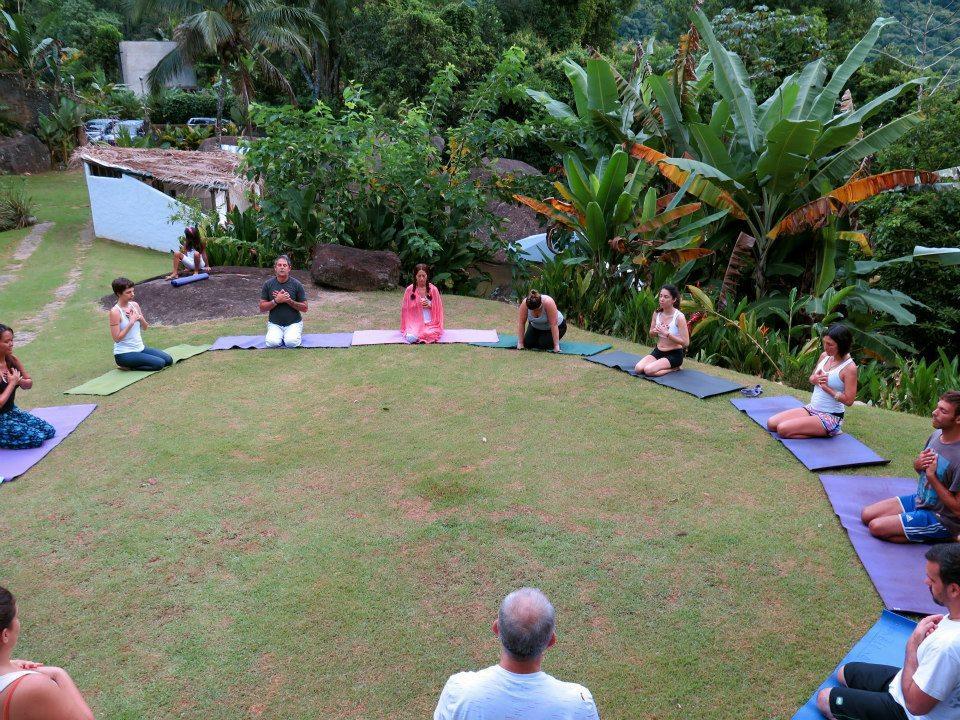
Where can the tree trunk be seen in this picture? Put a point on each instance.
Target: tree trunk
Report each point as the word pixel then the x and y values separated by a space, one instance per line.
pixel 221 100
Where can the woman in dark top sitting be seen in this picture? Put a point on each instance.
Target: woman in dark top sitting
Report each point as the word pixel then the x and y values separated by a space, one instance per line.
pixel 18 429
pixel 540 325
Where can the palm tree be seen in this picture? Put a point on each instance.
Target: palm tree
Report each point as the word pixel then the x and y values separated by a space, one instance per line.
pixel 240 34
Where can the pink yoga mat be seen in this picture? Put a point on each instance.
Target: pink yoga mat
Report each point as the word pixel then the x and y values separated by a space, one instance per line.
pixel 64 418
pixel 897 571
pixel 393 337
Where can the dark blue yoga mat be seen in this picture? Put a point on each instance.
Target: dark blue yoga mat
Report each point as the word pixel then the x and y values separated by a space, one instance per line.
pixel 187 279
pixel 842 451
pixel 693 382
pixel 567 347
pixel 896 570
pixel 884 644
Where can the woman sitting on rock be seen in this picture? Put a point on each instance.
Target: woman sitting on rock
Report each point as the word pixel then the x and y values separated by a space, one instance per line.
pixel 18 429
pixel 421 315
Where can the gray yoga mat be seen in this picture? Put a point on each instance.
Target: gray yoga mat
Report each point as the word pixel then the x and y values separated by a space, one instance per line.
pixel 693 382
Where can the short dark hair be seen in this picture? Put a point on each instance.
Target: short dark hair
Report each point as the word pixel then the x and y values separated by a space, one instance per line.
pixel 947 557
pixel 5 328
pixel 120 285
pixel 950 396
pixel 526 632
pixel 8 608
pixel 534 300
pixel 283 257
pixel 841 335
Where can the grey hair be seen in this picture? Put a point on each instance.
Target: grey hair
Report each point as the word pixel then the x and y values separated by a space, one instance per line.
pixel 282 257
pixel 527 620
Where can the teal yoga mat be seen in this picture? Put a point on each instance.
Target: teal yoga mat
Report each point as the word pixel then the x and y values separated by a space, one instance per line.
pixel 567 347
pixel 111 382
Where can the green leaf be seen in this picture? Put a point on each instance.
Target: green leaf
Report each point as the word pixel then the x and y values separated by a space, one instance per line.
pixel 834 137
pixel 823 106
pixel 701 298
pixel 720 117
pixel 827 261
pixel 732 83
pixel 944 256
pixel 789 144
pixel 886 301
pixel 808 87
pixel 705 170
pixel 649 205
pixel 577 179
pixel 712 149
pixel 670 111
pixel 578 81
pixel 557 109
pixel 596 227
pixel 869 109
pixel 841 165
pixel 602 92
pixel 611 183
pixel 697 224
pixel 779 105
pixel 623 209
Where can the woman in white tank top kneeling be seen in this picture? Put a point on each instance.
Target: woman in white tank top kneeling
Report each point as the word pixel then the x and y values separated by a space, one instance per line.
pixel 669 327
pixel 30 689
pixel 834 383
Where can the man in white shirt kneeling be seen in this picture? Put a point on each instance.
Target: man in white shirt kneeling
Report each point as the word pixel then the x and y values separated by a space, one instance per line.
pixel 516 686
pixel 928 686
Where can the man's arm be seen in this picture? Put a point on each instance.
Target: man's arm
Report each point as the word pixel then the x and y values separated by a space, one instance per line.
pixel 299 301
pixel 950 500
pixel 918 702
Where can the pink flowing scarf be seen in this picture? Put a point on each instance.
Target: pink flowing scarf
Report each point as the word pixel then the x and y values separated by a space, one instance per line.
pixel 411 316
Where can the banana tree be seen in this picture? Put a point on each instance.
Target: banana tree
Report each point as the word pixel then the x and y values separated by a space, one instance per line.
pixel 608 221
pixel 790 165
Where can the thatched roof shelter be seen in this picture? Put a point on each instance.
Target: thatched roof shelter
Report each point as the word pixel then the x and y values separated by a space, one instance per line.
pixel 215 170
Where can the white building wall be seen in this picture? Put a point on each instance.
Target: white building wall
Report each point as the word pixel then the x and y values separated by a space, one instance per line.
pixel 130 211
pixel 139 57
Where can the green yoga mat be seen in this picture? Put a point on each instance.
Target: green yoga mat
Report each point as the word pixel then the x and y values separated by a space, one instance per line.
pixel 567 347
pixel 119 379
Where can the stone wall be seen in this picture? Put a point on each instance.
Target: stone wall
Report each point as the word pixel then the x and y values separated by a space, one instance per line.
pixel 24 106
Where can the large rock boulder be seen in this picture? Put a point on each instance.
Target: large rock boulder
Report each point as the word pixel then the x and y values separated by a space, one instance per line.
pixel 23 154
pixel 23 105
pixel 349 268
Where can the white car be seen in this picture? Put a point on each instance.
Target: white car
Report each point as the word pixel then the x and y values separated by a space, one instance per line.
pixel 96 127
pixel 194 121
pixel 133 128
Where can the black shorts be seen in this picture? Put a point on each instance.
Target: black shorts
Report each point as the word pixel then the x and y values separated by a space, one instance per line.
pixel 867 695
pixel 674 356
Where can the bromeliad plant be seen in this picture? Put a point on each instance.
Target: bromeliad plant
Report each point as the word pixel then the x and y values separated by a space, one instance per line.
pixel 787 166
pixel 607 220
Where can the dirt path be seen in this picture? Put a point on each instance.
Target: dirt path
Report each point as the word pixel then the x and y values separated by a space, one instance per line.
pixel 24 250
pixel 34 325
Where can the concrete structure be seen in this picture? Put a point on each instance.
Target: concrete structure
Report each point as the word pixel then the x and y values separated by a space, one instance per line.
pixel 128 210
pixel 139 57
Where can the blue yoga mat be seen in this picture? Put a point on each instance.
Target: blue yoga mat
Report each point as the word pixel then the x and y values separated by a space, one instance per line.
pixel 567 347
pixel 884 644
pixel 842 451
pixel 187 279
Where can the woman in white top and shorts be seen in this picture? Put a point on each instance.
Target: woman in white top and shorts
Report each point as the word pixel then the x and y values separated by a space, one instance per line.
pixel 31 689
pixel 834 383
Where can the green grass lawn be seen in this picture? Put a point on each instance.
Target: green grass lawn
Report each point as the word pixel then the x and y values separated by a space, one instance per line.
pixel 328 533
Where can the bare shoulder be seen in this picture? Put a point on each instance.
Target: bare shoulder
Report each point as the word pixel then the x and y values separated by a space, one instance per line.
pixel 35 696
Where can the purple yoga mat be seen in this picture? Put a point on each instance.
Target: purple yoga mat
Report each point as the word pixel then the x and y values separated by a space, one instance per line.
pixel 897 571
pixel 311 340
pixel 841 451
pixel 393 337
pixel 64 418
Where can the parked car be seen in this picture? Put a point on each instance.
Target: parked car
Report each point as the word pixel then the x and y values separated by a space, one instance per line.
pixel 202 121
pixel 96 127
pixel 133 128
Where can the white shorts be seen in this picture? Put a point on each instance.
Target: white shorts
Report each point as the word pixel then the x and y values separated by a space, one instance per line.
pixel 187 261
pixel 284 335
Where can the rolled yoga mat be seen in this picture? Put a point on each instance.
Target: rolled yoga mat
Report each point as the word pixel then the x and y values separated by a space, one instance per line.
pixel 567 347
pixel 115 380
pixel 896 570
pixel 840 451
pixel 310 340
pixel 692 382
pixel 64 418
pixel 884 644
pixel 177 282
pixel 394 337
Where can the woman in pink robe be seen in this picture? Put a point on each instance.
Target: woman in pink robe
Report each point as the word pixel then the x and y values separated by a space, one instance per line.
pixel 421 315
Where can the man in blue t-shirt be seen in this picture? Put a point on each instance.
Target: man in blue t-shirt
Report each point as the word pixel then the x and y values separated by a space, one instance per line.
pixel 933 513
pixel 284 297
